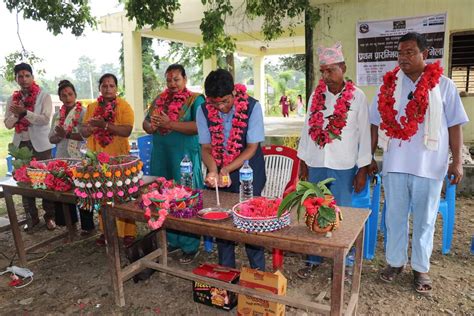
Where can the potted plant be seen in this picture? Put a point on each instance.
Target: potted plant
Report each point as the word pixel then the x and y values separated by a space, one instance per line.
pixel 321 213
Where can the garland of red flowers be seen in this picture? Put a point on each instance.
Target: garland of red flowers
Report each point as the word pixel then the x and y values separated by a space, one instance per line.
pixel 337 121
pixel 106 111
pixel 416 108
pixel 224 156
pixel 171 104
pixel 63 114
pixel 29 102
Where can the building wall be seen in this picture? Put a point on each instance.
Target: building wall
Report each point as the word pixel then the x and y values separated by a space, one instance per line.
pixel 338 23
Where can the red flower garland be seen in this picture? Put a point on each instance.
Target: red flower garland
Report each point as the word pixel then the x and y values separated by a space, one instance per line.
pixel 29 102
pixel 222 156
pixel 75 120
pixel 171 104
pixel 416 108
pixel 106 111
pixel 337 121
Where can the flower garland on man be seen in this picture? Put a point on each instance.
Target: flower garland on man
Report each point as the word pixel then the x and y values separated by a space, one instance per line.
pixel 420 114
pixel 230 128
pixel 171 120
pixel 107 124
pixel 29 112
pixel 335 139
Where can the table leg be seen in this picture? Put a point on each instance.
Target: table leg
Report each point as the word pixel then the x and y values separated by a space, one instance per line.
pixel 337 290
pixel 67 219
pixel 164 247
pixel 357 269
pixel 113 255
pixel 20 246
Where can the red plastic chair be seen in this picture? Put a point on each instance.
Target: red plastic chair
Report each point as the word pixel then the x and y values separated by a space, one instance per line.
pixel 281 166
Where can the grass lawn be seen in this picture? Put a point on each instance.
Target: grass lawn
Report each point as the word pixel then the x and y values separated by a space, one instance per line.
pixel 6 137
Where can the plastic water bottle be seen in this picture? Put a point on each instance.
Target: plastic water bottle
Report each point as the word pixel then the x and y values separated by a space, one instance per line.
pixel 186 169
pixel 350 259
pixel 246 179
pixel 134 151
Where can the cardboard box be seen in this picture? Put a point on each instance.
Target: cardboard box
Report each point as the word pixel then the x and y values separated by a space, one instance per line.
pixel 265 282
pixel 211 295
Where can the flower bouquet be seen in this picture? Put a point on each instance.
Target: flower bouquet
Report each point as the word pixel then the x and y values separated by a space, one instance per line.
pixel 259 214
pixel 166 197
pixel 102 179
pixel 22 157
pixel 321 212
pixel 53 174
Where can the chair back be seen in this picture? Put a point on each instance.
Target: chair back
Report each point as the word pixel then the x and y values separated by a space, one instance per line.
pixel 281 166
pixel 145 146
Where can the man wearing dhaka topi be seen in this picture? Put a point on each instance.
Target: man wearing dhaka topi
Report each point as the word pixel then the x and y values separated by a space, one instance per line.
pixel 335 140
pixel 416 117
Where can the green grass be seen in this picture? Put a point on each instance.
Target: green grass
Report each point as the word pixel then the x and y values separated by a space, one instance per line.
pixel 6 137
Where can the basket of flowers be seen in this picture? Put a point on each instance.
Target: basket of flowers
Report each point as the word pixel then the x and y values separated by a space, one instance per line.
pixel 102 179
pixel 168 198
pixel 259 214
pixel 321 213
pixel 52 174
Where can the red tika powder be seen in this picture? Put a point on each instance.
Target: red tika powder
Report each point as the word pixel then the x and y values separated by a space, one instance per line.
pixel 215 215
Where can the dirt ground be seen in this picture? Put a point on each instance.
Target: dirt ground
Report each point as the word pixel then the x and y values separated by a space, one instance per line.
pixel 73 279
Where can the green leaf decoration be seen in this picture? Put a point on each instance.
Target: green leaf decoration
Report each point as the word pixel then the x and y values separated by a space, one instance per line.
pixel 327 213
pixel 307 194
pixel 334 136
pixel 287 202
pixel 298 211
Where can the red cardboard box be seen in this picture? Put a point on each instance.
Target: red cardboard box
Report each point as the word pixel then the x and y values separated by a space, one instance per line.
pixel 211 295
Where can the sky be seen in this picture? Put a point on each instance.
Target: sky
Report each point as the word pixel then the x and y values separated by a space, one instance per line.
pixel 60 53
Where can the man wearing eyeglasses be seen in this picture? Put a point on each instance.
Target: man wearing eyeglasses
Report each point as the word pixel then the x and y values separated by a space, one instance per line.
pixel 416 118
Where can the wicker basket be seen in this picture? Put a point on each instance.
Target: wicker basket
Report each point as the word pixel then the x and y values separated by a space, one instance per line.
pixel 38 176
pixel 260 224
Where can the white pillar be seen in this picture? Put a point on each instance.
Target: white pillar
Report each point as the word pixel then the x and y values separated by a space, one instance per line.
pixel 259 80
pixel 132 56
pixel 208 65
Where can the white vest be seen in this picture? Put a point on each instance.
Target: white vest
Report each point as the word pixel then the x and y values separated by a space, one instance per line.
pixel 39 134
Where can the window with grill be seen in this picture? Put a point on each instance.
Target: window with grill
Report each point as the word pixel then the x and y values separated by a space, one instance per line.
pixel 462 61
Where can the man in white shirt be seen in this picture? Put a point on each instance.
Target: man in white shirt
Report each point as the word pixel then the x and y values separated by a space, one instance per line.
pixel 335 140
pixel 29 112
pixel 416 117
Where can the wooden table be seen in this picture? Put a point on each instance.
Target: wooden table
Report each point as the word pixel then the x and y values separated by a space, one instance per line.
pixel 10 187
pixel 295 238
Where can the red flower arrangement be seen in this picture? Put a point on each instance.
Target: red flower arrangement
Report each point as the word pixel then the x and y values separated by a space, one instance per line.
pixel 337 121
pixel 224 156
pixel 171 104
pixel 29 102
pixel 75 120
pixel 106 111
pixel 416 108
pixel 21 175
pixel 59 177
pixel 259 207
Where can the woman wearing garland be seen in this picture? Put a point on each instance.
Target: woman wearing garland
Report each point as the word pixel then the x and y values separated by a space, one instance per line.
pixel 107 124
pixel 171 119
pixel 230 127
pixel 65 134
pixel 335 139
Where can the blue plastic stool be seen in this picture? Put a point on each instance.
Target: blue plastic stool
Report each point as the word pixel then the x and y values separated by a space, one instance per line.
pixel 9 159
pixel 145 146
pixel 447 209
pixel 208 243
pixel 363 200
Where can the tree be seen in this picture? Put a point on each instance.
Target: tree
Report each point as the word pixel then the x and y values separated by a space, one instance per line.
pixel 295 62
pixel 87 78
pixel 73 15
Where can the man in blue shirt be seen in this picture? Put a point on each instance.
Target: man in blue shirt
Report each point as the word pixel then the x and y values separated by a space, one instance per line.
pixel 230 128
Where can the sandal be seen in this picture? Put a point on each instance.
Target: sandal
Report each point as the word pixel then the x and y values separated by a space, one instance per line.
pixel 306 272
pixel 422 283
pixel 101 241
pixel 390 273
pixel 187 258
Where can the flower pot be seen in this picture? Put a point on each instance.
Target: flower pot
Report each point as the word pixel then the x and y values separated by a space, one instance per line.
pixel 312 222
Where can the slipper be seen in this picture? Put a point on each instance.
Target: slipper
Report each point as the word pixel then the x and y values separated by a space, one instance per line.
pixel 101 241
pixel 50 224
pixel 390 273
pixel 422 283
pixel 187 258
pixel 306 272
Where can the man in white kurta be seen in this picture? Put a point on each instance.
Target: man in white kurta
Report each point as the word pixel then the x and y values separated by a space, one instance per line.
pixel 35 137
pixel 345 159
pixel 414 169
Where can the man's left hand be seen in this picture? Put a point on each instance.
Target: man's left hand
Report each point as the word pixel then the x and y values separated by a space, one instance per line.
pixel 17 109
pixel 455 173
